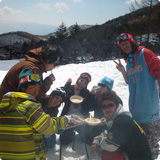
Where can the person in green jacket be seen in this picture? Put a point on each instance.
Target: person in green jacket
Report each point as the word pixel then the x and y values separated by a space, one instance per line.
pixel 23 121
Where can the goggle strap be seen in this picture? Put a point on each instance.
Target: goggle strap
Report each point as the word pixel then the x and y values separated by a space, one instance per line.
pixel 85 75
pixel 25 79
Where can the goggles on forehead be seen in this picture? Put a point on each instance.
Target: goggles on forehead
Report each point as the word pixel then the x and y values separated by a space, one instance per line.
pixel 86 76
pixel 35 78
pixel 123 37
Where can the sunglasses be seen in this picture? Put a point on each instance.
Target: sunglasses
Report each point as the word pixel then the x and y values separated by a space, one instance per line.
pixel 101 85
pixel 35 78
pixel 110 105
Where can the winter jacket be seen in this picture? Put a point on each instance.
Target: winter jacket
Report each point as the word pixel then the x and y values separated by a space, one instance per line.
pixel 34 61
pixel 123 133
pixel 143 93
pixel 22 124
pixel 70 92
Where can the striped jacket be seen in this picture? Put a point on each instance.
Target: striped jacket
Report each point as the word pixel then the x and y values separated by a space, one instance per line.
pixel 22 124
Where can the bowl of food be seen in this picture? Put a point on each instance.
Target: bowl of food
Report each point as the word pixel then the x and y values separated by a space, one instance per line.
pixel 93 121
pixel 76 99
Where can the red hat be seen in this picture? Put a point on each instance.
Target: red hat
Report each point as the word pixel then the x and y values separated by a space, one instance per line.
pixel 85 75
pixel 124 37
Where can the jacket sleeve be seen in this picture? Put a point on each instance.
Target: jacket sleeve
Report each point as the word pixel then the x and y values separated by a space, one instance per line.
pixel 41 121
pixel 153 63
pixel 46 84
pixel 101 140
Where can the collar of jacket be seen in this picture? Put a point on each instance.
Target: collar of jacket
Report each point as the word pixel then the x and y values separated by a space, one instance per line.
pixel 11 99
pixel 120 110
pixel 34 56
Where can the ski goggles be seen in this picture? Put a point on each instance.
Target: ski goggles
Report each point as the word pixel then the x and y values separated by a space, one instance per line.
pixel 34 78
pixel 86 76
pixel 123 37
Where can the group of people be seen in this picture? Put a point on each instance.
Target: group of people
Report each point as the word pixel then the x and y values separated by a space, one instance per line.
pixel 28 116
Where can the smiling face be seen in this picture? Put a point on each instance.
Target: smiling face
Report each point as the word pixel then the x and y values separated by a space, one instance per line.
pixel 82 83
pixel 32 89
pixel 126 47
pixel 54 101
pixel 108 108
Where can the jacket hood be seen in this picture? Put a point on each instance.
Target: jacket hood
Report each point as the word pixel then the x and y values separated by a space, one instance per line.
pixel 11 99
pixel 119 111
pixel 138 50
pixel 34 56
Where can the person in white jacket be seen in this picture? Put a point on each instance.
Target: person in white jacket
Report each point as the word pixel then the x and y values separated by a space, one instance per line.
pixel 123 138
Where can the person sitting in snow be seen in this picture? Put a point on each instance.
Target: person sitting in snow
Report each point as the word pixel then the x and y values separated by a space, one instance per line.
pixel 23 121
pixel 123 138
pixel 40 60
pixel 69 108
pixel 104 85
pixel 50 105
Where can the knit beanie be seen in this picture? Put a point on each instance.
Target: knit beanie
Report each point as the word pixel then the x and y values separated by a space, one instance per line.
pixel 24 73
pixel 107 81
pixel 124 37
pixel 85 75
pixel 59 92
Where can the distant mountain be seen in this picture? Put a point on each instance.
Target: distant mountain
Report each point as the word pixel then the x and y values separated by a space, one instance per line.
pixel 33 28
pixel 19 37
pixel 82 27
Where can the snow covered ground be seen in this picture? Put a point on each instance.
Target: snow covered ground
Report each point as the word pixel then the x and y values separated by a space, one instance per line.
pixel 97 70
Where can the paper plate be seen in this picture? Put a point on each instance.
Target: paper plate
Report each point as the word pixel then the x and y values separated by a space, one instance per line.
pixel 93 121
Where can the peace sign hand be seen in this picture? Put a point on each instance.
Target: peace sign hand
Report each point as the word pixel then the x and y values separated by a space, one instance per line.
pixel 119 65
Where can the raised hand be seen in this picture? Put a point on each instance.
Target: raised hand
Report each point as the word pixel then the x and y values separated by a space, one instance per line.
pixel 121 68
pixel 119 65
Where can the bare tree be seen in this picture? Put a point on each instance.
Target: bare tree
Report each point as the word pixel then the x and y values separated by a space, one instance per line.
pixel 137 4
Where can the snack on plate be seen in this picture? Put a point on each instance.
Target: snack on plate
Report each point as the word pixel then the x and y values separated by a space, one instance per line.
pixel 76 121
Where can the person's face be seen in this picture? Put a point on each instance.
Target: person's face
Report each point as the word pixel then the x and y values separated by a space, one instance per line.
pixel 82 83
pixel 54 101
pixel 104 89
pixel 108 108
pixel 126 47
pixel 51 66
pixel 32 89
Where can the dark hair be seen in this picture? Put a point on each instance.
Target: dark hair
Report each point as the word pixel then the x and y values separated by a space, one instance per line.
pixel 109 95
pixel 134 49
pixel 50 54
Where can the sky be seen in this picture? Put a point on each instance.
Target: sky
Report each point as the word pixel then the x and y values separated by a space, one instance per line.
pixel 97 70
pixel 54 12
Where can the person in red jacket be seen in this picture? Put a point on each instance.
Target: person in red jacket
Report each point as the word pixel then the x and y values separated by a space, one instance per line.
pixel 142 74
pixel 40 60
